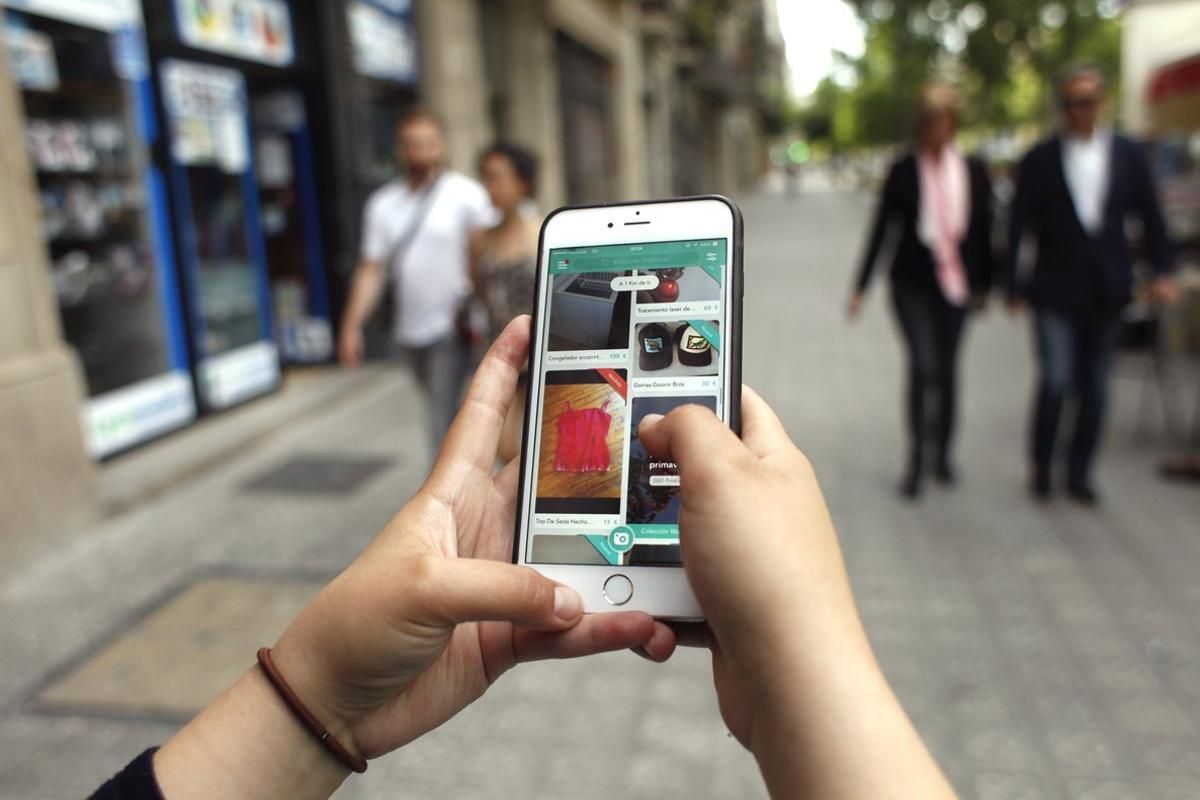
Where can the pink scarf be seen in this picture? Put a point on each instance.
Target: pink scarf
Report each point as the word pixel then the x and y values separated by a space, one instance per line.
pixel 942 219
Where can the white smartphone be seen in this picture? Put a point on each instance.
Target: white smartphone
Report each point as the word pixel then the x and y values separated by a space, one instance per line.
pixel 637 311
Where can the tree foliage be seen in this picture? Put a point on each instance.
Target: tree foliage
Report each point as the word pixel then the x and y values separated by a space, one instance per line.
pixel 1003 53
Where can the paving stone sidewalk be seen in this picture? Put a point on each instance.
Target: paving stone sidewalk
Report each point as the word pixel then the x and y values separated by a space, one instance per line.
pixel 1044 652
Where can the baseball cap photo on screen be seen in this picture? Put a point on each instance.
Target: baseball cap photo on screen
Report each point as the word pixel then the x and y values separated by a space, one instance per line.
pixel 679 348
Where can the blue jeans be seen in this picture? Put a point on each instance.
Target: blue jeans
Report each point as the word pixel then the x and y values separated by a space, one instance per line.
pixel 1074 356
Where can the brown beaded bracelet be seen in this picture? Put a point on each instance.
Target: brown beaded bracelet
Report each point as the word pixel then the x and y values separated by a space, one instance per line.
pixel 302 713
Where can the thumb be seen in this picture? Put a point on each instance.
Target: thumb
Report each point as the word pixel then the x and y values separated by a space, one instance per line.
pixel 694 439
pixel 474 590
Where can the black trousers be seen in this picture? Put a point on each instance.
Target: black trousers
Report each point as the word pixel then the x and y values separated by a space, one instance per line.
pixel 1074 355
pixel 932 330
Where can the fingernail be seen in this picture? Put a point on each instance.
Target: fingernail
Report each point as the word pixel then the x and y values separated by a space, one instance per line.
pixel 650 419
pixel 567 603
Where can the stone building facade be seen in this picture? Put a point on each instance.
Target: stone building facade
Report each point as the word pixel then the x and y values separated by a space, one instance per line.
pixel 621 99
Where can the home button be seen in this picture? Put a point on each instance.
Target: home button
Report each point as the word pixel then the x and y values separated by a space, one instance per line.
pixel 617 590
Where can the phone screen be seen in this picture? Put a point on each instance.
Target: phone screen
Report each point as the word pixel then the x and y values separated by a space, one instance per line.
pixel 628 330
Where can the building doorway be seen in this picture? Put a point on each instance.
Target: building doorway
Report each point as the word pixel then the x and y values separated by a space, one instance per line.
pixel 585 99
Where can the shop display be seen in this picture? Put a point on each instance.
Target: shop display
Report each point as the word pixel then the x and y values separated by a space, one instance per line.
pixel 31 58
pixel 244 186
pixel 89 129
pixel 378 67
pixel 382 40
pixel 256 30
pixel 218 215
pixel 302 337
pixel 291 226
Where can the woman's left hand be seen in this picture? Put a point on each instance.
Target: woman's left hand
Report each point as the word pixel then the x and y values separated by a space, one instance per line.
pixel 432 613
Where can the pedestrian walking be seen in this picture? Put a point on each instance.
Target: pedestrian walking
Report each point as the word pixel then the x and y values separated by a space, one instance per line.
pixel 1075 191
pixel 503 258
pixel 941 203
pixel 416 231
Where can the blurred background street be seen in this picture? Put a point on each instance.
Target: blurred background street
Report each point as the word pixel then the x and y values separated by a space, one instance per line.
pixel 184 463
pixel 1043 652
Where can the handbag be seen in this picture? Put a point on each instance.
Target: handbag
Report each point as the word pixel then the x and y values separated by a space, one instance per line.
pixel 377 332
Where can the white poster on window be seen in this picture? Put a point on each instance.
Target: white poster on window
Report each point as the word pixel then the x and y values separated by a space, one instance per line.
pixel 256 30
pixel 207 110
pixel 106 15
pixel 382 43
pixel 31 56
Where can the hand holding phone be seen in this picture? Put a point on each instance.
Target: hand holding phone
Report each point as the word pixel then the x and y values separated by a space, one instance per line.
pixel 796 680
pixel 437 608
pixel 759 547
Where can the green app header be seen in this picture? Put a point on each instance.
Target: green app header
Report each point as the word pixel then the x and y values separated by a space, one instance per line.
pixel 708 254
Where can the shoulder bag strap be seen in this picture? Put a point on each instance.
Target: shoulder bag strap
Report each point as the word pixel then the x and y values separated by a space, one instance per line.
pixel 415 224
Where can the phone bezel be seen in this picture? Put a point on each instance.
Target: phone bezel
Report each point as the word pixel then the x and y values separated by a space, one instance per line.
pixel 662 591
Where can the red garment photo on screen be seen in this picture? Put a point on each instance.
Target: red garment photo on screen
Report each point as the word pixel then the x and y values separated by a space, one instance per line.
pixel 583 440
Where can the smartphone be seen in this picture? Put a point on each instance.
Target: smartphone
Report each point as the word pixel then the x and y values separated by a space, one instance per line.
pixel 637 311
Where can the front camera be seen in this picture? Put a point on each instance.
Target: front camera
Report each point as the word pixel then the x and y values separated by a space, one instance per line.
pixel 610 224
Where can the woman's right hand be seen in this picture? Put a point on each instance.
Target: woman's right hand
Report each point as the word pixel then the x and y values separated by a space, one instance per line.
pixel 759 547
pixel 796 680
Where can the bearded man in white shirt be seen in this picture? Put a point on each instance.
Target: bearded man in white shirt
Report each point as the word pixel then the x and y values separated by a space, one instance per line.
pixel 1075 192
pixel 416 232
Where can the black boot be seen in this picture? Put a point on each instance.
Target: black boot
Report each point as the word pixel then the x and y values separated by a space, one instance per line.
pixel 910 484
pixel 1039 485
pixel 944 472
pixel 1081 491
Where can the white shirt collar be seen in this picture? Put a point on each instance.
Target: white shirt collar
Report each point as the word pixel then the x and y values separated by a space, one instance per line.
pixel 1086 167
pixel 1100 137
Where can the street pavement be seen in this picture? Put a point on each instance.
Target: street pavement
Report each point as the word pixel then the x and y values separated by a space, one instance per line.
pixel 1044 652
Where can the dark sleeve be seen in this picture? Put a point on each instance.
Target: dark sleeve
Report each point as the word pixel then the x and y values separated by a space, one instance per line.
pixel 986 221
pixel 135 782
pixel 1018 215
pixel 1145 201
pixel 883 216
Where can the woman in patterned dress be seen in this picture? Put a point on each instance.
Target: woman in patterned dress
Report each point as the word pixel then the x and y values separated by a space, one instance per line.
pixel 503 257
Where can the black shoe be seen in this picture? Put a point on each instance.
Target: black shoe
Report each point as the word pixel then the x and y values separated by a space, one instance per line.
pixel 945 473
pixel 1039 487
pixel 910 487
pixel 1083 494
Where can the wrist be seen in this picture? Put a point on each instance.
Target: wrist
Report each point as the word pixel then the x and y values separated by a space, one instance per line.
pixel 317 691
pixel 806 659
pixel 809 678
pixel 247 744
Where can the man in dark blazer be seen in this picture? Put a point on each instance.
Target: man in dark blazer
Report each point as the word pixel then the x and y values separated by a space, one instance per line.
pixel 1074 194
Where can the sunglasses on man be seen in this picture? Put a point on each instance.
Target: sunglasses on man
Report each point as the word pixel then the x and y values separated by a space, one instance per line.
pixel 1081 102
